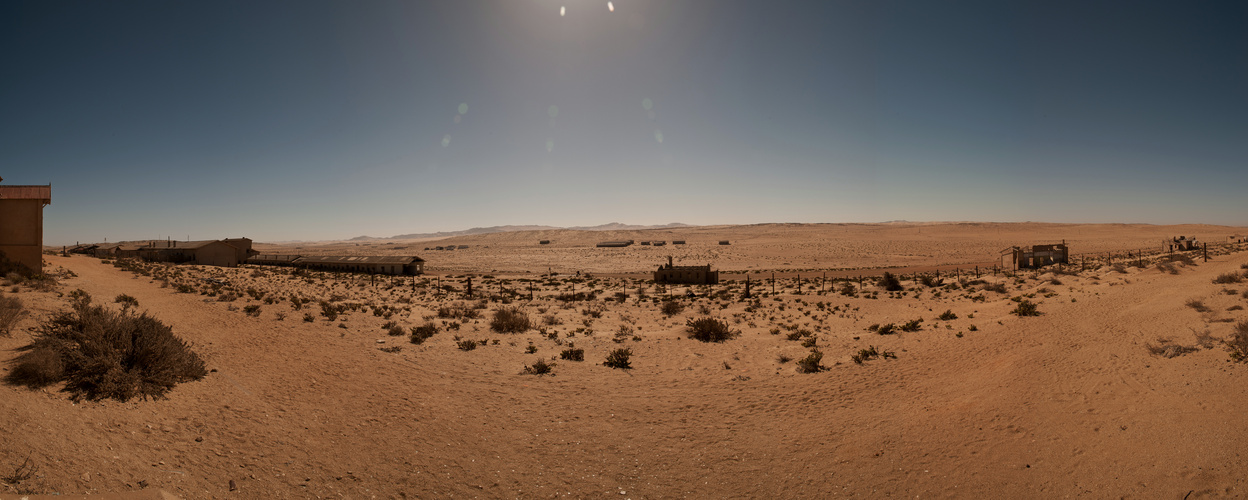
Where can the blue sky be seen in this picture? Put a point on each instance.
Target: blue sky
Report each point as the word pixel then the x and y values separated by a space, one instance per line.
pixel 317 119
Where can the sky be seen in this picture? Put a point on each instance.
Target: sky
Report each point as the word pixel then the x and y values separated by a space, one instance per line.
pixel 313 119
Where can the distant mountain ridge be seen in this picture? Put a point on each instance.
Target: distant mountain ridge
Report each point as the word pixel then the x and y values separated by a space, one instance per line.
pixel 610 226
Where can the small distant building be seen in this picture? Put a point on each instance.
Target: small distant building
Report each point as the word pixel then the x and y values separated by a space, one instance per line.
pixel 1181 243
pixel 543 242
pixel 615 244
pixel 678 242
pixel 229 252
pixel 1236 239
pixel 690 275
pixel 381 264
pixel 724 242
pixel 659 243
pixel 21 225
pixel 1035 256
pixel 647 243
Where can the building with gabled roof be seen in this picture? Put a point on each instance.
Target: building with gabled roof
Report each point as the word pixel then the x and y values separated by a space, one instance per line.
pixel 690 275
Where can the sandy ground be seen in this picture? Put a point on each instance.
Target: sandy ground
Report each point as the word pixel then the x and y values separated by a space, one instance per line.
pixel 1070 403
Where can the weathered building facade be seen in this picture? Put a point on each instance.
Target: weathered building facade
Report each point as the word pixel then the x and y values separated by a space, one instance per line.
pixel 690 275
pixel 1035 256
pixel 378 264
pixel 21 224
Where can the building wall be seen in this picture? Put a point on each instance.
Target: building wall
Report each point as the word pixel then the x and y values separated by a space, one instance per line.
pixel 21 232
pixel 217 254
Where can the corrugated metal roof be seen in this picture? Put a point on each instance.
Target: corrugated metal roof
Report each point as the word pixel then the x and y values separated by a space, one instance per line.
pixel 359 259
pixel 26 193
pixel 273 258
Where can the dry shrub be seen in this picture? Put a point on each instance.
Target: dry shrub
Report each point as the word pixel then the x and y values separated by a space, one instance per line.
pixel 710 330
pixel 422 333
pixel 1228 278
pixel 458 310
pixel 889 282
pixel 995 287
pixel 1026 308
pixel 106 354
pixel 539 367
pixel 672 308
pixel 572 354
pixel 1237 342
pixel 1198 305
pixel 11 310
pixel 811 363
pixel 619 358
pixel 510 320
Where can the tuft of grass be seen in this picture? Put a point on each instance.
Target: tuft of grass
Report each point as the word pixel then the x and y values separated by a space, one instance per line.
pixel 510 320
pixel 1026 308
pixel 710 330
pixel 995 287
pixel 619 358
pixel 948 315
pixel 911 326
pixel 466 345
pixel 106 354
pixel 252 310
pixel 572 354
pixel 1198 305
pixel 784 358
pixel 886 329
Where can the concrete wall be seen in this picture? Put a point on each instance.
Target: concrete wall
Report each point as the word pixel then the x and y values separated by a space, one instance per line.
pixel 217 254
pixel 21 232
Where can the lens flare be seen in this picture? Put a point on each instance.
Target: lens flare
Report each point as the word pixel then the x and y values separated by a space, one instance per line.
pixel 553 111
pixel 550 145
pixel 610 7
pixel 647 103
pixel 658 136
pixel 463 108
pixel 562 11
pixel 446 140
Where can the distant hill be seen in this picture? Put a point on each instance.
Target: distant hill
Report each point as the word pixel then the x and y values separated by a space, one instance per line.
pixel 610 226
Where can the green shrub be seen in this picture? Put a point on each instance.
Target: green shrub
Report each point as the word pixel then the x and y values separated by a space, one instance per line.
pixel 619 358
pixel 106 354
pixel 710 330
pixel 510 320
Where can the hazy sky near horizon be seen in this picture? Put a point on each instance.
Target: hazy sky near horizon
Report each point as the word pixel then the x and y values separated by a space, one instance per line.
pixel 319 119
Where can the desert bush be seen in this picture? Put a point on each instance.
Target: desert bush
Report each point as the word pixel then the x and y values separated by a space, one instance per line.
pixel 458 310
pixel 252 310
pixel 510 320
pixel 107 354
pixel 672 308
pixel 1025 308
pixel 127 302
pixel 330 311
pixel 308 318
pixel 1228 278
pixel 619 358
pixel 392 329
pixel 848 290
pixel 889 282
pixel 1237 342
pixel 811 363
pixel 911 326
pixel 948 315
pixel 1168 350
pixel 539 367
pixel 572 354
pixel 930 281
pixel 422 333
pixel 886 329
pixel 466 345
pixel 551 320
pixel 1198 305
pixel 871 353
pixel 11 311
pixel 392 349
pixel 710 330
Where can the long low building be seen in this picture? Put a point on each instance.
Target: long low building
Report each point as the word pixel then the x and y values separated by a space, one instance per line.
pixel 229 252
pixel 372 264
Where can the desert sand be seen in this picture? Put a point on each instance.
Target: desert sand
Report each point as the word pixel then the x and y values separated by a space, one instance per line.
pixel 1074 402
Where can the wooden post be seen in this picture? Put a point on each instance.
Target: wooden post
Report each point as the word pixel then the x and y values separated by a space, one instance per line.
pixel 747 287
pixel 773 283
pixel 470 286
pixel 530 291
pixel 1206 252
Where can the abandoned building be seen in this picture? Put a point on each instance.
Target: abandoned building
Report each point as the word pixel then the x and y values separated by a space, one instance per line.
pixel 21 224
pixel 678 242
pixel 1036 256
pixel 273 260
pixel 1181 243
pixel 543 242
pixel 690 275
pixel 229 252
pixel 615 244
pixel 378 264
pixel 724 242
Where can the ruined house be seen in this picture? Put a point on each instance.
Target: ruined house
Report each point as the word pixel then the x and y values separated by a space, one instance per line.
pixel 691 275
pixel 21 225
pixel 229 252
pixel 378 264
pixel 1035 256
pixel 615 244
